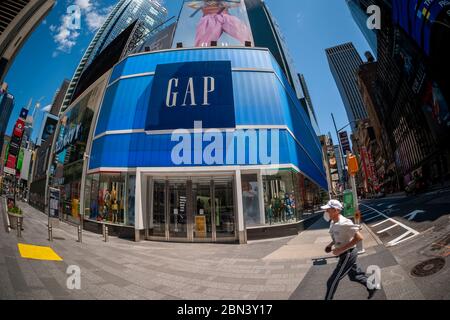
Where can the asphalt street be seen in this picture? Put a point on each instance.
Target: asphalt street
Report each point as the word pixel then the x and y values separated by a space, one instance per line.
pixel 416 229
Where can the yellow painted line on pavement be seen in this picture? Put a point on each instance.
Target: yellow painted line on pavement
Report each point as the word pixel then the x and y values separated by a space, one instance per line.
pixel 28 251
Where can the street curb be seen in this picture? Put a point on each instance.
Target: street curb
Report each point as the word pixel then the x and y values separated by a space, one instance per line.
pixel 5 216
pixel 372 234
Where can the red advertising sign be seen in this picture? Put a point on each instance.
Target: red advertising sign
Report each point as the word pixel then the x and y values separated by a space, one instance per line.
pixel 11 165
pixel 19 128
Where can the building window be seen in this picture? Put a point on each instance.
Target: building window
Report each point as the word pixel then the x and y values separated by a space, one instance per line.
pixel 250 200
pixel 280 198
pixel 110 198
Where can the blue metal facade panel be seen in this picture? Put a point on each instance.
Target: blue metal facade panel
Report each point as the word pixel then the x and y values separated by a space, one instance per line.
pixel 262 97
pixel 143 150
pixel 125 105
pixel 240 58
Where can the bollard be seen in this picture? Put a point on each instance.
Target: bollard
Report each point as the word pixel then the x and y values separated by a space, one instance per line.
pixel 19 228
pixel 80 236
pixel 50 232
pixel 106 233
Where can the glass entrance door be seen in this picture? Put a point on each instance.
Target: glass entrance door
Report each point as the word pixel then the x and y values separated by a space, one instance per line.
pixel 177 209
pixel 183 209
pixel 157 226
pixel 202 209
pixel 223 195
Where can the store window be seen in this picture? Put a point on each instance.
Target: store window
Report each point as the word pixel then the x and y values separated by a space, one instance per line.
pixel 281 198
pixel 250 200
pixel 109 198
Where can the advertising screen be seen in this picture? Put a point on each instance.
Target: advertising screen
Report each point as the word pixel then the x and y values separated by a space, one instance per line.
pixel 49 127
pixel 23 113
pixel 219 23
pixel 417 17
pixel 19 128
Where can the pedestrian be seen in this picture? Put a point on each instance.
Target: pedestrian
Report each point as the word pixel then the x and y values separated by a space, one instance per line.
pixel 345 235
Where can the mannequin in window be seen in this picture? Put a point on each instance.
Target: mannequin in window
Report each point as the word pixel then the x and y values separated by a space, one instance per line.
pixel 115 212
pixel 107 201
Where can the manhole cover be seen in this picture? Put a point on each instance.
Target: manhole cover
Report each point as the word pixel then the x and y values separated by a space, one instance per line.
pixel 428 268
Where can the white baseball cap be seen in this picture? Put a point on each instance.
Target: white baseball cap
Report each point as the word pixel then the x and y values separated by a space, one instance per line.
pixel 333 204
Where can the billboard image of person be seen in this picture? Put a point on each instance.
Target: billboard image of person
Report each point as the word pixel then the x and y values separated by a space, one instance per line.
pixel 49 127
pixel 222 21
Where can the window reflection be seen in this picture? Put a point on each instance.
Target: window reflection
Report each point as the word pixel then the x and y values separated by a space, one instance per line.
pixel 107 199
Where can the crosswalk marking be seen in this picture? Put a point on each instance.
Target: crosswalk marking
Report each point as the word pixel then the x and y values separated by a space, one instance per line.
pixel 389 228
pixel 401 239
pixel 380 223
pixel 410 233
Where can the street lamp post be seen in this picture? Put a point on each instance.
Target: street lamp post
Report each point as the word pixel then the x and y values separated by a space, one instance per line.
pixel 340 146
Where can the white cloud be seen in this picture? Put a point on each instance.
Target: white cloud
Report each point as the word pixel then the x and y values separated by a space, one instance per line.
pixel 67 33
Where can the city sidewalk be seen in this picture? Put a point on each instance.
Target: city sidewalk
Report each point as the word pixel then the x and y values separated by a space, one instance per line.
pixel 121 269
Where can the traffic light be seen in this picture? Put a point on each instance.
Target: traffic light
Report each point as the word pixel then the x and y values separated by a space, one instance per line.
pixel 352 163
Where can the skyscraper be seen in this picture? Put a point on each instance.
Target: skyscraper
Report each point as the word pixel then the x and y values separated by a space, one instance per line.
pixel 18 19
pixel 149 13
pixel 344 63
pixel 310 106
pixel 6 107
pixel 358 9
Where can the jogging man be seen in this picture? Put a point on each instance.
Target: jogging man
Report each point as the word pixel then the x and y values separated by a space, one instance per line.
pixel 345 235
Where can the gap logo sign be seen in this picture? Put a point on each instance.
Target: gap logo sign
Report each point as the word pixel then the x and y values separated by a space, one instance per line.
pixel 183 93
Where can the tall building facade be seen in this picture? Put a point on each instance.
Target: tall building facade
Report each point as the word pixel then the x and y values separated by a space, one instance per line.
pixel 42 152
pixel 412 87
pixel 117 156
pixel 148 13
pixel 310 106
pixel 18 19
pixel 344 62
pixel 358 9
pixel 6 107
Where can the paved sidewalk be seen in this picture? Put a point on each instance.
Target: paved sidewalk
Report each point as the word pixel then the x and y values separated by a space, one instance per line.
pixel 121 269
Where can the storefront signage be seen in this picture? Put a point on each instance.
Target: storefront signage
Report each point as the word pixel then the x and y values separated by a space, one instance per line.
pixel 183 93
pixel 200 226
pixel 69 138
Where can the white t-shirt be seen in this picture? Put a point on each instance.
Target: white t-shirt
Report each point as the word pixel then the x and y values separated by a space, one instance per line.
pixel 343 231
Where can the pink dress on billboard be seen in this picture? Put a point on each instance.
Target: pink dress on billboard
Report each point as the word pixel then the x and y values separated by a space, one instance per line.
pixel 215 21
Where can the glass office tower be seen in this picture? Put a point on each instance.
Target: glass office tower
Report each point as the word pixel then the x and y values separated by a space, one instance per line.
pixel 149 13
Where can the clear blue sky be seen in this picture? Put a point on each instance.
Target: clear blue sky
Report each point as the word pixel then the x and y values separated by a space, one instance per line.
pixel 309 26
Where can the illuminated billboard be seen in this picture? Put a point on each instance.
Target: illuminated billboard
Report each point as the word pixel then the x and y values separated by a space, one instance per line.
pixel 50 122
pixel 416 18
pixel 207 23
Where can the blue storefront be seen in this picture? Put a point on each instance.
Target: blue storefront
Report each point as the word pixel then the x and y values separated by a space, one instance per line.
pixel 202 144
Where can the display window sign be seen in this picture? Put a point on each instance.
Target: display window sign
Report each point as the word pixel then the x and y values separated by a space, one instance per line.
pixel 208 23
pixel 183 93
pixel 54 195
pixel 200 226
